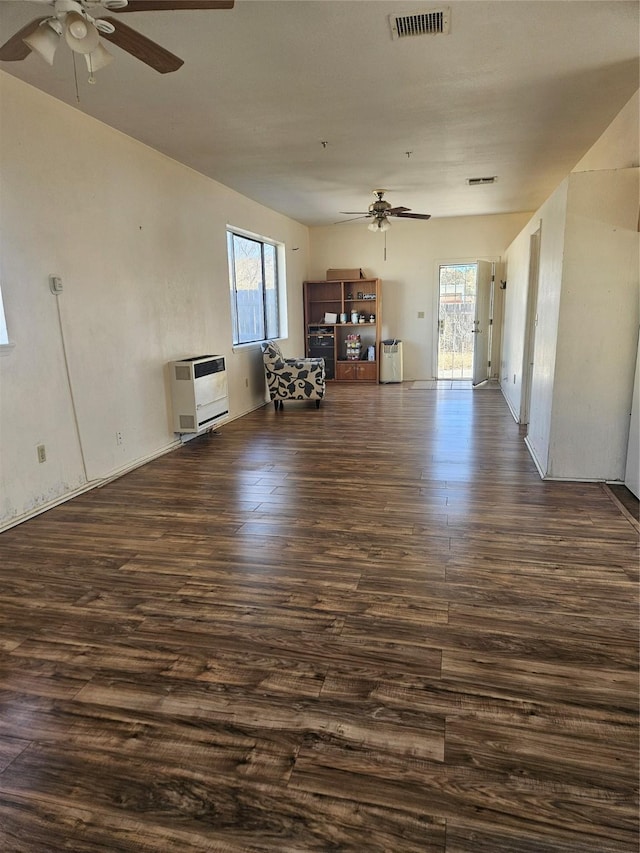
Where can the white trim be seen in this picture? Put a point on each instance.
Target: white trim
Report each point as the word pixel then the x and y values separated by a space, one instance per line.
pixel 514 414
pixel 535 458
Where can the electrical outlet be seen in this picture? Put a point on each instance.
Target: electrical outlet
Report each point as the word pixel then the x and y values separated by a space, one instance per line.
pixel 119 438
pixel 246 383
pixel 420 315
pixel 42 453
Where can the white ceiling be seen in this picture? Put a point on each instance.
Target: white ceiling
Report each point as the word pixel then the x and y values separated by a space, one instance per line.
pixel 519 89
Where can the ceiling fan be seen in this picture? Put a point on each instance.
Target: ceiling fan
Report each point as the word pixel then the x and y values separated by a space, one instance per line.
pixel 76 21
pixel 380 210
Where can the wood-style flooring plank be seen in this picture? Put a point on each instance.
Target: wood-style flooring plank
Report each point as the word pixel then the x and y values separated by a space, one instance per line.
pixel 367 627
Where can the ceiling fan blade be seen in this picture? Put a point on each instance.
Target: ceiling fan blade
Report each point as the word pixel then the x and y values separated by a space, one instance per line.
pixel 15 49
pixel 412 215
pixel 174 5
pixel 394 211
pixel 142 48
pixel 363 216
pixel 354 213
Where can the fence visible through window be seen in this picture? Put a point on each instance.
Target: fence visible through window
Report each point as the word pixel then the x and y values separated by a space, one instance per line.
pixel 253 279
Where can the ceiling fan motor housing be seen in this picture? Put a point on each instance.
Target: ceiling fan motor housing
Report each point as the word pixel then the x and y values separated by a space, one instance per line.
pixel 379 208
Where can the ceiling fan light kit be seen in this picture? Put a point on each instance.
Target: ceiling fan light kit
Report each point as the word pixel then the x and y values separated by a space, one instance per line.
pixel 43 41
pixel 97 59
pixel 81 35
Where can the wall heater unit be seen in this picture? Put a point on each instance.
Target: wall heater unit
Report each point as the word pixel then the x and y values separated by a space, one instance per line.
pixel 199 393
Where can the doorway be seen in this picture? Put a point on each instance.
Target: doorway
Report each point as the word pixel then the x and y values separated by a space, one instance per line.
pixel 465 321
pixel 456 313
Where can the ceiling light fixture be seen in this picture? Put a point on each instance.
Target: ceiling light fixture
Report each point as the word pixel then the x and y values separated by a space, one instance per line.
pixel 379 225
pixel 81 35
pixel 96 60
pixel 43 41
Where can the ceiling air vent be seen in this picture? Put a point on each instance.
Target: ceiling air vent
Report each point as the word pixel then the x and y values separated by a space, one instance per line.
pixel 420 24
pixel 475 182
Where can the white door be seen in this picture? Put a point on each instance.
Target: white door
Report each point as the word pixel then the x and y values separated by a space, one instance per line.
pixel 482 322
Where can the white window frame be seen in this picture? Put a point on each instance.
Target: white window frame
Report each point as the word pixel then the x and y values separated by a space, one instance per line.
pixel 278 323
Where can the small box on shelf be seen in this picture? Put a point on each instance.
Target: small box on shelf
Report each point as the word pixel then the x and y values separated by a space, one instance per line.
pixel 344 274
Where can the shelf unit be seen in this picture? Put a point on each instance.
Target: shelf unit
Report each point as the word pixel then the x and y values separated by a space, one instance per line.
pixel 328 339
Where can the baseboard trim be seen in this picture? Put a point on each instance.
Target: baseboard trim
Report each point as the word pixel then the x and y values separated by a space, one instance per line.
pixel 67 496
pixel 532 453
pixel 611 495
pixel 514 414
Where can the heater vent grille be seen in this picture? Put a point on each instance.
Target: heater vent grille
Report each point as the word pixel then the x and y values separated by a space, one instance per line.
pixel 434 22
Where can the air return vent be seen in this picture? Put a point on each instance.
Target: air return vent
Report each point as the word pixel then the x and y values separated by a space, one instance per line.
pixel 475 182
pixel 429 23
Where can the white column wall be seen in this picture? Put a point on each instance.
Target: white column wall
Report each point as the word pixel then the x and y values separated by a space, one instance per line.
pixel 598 326
pixel 139 243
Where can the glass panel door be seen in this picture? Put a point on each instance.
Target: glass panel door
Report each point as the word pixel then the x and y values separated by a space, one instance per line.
pixel 455 320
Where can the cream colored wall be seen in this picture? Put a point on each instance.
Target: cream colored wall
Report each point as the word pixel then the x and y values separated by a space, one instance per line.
pixel 139 243
pixel 598 327
pixel 587 308
pixel 410 272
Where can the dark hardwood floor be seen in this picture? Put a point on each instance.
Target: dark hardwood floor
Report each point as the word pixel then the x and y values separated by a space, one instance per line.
pixel 368 627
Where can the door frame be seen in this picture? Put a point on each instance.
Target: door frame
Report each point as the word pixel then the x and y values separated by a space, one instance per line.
pixel 443 262
pixel 531 323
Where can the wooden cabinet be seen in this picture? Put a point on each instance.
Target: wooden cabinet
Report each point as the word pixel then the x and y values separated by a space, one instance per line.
pixel 350 371
pixel 330 309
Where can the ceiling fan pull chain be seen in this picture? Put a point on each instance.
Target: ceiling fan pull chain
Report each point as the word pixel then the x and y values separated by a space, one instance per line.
pixel 75 75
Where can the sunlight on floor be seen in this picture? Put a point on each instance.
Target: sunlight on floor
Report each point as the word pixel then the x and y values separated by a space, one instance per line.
pixel 450 385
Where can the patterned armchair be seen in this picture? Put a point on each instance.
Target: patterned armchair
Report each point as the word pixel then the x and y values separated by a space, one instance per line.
pixel 292 378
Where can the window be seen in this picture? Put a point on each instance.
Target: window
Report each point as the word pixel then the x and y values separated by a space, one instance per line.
pixel 253 278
